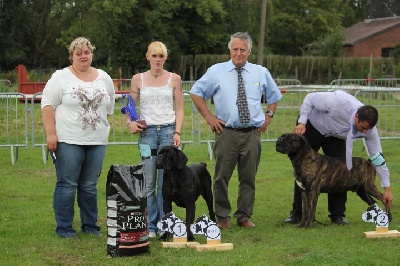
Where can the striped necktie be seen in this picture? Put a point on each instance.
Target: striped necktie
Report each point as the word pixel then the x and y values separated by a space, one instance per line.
pixel 243 107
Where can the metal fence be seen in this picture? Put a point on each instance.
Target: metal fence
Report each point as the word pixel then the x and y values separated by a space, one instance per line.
pixel 14 115
pixel 21 121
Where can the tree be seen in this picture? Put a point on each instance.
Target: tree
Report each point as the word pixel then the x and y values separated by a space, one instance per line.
pixel 381 8
pixel 12 34
pixel 298 23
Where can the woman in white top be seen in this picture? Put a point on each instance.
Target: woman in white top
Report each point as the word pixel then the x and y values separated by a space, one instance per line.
pixel 157 91
pixel 75 104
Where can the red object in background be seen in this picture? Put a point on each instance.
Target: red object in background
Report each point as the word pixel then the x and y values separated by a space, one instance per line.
pixel 24 85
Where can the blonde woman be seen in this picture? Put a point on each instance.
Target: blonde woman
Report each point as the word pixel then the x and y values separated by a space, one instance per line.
pixel 75 104
pixel 157 91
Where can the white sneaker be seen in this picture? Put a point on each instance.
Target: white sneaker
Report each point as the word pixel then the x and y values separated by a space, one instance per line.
pixel 152 235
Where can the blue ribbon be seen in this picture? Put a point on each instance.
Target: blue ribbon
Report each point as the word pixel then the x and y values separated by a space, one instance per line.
pixel 130 108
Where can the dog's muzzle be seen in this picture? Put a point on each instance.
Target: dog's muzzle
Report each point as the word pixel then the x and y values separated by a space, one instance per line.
pixel 279 147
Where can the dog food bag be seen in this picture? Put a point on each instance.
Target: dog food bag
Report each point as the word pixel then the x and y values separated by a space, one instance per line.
pixel 127 232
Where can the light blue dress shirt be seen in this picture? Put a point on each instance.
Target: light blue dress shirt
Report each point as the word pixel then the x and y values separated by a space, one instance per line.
pixel 221 82
pixel 333 115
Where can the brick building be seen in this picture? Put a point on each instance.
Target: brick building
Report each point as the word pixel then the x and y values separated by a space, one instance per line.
pixel 376 37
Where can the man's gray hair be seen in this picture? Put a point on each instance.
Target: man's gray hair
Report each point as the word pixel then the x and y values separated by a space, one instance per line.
pixel 244 36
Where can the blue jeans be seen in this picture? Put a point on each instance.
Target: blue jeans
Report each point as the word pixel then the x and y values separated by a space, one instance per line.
pixel 156 137
pixel 78 168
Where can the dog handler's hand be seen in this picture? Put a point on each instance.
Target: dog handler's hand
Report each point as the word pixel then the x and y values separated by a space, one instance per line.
pixel 177 139
pixel 388 197
pixel 300 129
pixel 264 127
pixel 135 127
pixel 215 123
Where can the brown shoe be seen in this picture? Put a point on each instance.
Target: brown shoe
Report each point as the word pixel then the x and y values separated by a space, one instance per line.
pixel 247 224
pixel 224 224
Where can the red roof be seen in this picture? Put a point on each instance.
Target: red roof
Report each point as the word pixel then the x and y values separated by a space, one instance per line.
pixel 369 28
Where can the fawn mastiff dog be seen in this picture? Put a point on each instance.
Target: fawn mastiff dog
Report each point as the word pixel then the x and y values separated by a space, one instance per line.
pixel 316 173
pixel 183 184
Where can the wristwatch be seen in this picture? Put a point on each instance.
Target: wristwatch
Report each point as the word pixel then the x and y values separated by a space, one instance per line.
pixel 270 113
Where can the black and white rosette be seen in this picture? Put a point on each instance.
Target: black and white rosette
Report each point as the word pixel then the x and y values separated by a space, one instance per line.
pixel 205 226
pixel 374 214
pixel 172 224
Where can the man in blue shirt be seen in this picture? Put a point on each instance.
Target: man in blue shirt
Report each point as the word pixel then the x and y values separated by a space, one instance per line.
pixel 331 121
pixel 236 142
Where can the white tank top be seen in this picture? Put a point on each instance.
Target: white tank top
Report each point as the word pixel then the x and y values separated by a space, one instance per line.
pixel 157 104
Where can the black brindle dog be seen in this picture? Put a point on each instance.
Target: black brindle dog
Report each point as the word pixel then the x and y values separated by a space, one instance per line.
pixel 316 173
pixel 183 185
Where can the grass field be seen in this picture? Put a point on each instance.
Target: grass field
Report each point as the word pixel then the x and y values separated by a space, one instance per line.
pixel 27 221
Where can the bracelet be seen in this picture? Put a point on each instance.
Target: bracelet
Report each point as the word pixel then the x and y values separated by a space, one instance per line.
pixel 177 133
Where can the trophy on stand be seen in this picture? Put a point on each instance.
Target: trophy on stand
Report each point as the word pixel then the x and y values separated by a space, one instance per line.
pixel 175 226
pixel 374 214
pixel 205 226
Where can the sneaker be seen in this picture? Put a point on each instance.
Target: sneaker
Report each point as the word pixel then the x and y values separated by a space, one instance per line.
pixel 247 224
pixel 339 221
pixel 293 219
pixel 152 235
pixel 224 224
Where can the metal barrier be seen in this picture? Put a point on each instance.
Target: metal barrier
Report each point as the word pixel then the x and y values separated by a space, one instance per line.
pixel 38 134
pixel 283 121
pixel 358 84
pixel 119 133
pixel 285 84
pixel 14 122
pixel 387 102
pixel 15 113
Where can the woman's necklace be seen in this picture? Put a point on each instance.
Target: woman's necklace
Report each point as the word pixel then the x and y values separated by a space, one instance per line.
pixel 156 76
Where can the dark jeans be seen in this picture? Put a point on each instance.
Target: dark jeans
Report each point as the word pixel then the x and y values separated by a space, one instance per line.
pixel 156 137
pixel 78 168
pixel 333 147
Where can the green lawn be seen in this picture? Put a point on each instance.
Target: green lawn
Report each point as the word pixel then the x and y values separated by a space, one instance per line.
pixel 27 221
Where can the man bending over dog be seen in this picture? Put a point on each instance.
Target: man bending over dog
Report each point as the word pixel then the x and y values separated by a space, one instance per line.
pixel 331 121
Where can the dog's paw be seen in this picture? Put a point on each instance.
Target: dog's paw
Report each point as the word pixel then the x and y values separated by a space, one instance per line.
pixel 302 223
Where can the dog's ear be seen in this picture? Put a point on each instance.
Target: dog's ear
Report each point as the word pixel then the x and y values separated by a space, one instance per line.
pixel 167 158
pixel 304 142
pixel 182 159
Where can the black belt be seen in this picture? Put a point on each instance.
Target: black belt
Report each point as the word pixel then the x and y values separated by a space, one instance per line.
pixel 241 129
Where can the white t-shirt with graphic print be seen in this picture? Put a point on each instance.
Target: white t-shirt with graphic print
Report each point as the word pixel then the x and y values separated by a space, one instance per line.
pixel 81 108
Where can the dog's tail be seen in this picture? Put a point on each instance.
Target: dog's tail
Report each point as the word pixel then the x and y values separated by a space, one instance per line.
pixel 203 163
